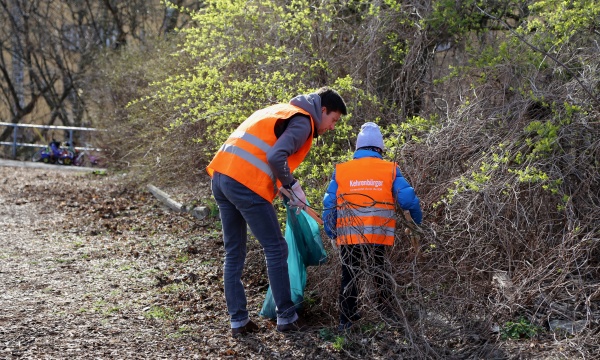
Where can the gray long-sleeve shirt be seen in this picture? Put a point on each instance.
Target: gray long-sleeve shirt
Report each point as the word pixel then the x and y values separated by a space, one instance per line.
pixel 291 134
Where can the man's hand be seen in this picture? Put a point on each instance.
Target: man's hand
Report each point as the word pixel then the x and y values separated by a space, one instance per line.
pixel 298 197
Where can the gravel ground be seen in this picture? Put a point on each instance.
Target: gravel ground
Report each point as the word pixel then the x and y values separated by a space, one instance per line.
pixel 92 268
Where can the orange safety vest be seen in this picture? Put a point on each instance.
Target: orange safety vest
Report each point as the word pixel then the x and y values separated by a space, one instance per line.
pixel 243 156
pixel 365 203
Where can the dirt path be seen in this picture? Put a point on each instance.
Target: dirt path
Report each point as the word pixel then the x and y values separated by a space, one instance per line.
pixel 92 269
pixel 49 167
pixel 64 293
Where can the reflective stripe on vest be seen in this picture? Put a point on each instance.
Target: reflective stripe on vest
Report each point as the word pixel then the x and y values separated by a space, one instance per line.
pixel 248 156
pixel 243 156
pixel 365 203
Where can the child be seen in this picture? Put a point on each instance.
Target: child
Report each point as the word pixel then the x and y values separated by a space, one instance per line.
pixel 359 213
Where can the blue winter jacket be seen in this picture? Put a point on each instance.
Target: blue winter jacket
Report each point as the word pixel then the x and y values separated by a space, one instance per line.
pixel 404 194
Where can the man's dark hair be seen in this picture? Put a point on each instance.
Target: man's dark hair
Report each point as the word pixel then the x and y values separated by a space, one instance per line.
pixel 332 100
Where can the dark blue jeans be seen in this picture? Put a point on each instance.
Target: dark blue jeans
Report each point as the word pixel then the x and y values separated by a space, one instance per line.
pixel 240 207
pixel 357 259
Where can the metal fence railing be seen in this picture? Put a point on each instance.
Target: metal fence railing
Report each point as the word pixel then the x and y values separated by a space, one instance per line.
pixel 14 144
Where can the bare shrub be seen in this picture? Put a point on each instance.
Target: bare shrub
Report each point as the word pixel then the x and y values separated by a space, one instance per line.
pixel 510 185
pixel 142 141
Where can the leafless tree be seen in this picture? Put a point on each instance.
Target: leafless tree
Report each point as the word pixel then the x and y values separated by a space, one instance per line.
pixel 47 47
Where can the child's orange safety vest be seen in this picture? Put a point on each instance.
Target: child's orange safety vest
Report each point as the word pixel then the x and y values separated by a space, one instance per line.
pixel 365 203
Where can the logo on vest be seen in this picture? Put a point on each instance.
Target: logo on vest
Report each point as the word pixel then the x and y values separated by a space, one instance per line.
pixel 366 183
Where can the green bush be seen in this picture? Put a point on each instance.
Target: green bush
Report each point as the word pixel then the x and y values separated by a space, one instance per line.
pixel 520 329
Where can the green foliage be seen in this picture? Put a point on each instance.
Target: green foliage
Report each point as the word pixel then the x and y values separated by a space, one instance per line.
pixel 99 172
pixel 244 55
pixel 248 54
pixel 457 18
pixel 326 334
pixel 182 331
pixel 372 328
pixel 557 22
pixel 160 313
pixel 414 129
pixel 398 47
pixel 213 208
pixel 520 329
pixel 491 59
pixel 498 164
pixel 554 22
pixel 530 31
pixel 545 134
pixel 338 343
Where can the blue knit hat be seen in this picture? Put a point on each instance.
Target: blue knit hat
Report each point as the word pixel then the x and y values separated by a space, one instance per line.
pixel 369 135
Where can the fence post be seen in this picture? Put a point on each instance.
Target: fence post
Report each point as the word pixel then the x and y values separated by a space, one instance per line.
pixel 14 147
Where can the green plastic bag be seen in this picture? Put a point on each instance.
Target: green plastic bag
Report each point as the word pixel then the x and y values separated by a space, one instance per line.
pixel 305 248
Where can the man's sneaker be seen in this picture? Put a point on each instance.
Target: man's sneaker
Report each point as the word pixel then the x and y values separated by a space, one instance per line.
pixel 250 327
pixel 296 326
